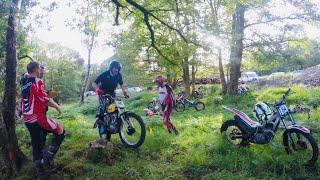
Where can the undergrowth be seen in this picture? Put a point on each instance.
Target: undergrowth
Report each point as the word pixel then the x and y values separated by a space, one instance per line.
pixel 199 152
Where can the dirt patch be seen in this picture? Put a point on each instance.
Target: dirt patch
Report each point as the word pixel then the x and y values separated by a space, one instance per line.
pixel 309 77
pixel 106 154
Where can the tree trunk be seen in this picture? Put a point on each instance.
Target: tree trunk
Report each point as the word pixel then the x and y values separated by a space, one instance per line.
pixel 7 166
pixel 222 76
pixel 186 75
pixel 236 48
pixel 86 77
pixel 174 82
pixel 11 156
pixel 193 76
pixel 169 78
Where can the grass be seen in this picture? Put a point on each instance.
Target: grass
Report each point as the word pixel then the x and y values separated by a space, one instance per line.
pixel 199 152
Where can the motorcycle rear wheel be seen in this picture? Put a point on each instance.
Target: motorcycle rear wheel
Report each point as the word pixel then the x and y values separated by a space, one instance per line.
pixel 180 107
pixel 233 133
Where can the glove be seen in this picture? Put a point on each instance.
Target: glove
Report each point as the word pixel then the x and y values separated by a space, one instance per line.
pixel 100 92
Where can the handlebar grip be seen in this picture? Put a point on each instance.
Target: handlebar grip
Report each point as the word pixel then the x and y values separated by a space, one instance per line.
pixel 287 93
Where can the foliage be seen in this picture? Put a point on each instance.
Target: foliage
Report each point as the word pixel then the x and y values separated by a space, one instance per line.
pixel 64 74
pixel 295 55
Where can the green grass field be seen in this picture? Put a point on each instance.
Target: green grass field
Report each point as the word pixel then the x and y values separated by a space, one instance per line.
pixel 199 152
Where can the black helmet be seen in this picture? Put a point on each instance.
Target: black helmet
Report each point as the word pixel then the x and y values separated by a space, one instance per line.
pixel 115 64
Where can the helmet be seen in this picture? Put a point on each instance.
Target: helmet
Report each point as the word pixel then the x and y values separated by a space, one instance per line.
pixel 115 64
pixel 261 111
pixel 159 79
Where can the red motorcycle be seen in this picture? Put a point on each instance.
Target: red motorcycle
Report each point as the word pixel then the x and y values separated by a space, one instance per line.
pixel 297 140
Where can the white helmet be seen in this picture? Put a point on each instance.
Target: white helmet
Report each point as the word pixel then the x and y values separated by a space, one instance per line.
pixel 261 111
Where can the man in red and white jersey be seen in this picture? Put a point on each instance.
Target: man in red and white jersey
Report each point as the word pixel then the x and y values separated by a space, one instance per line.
pixel 34 101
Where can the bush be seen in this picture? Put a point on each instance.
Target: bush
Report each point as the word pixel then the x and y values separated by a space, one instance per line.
pixel 215 89
pixel 314 101
pixel 90 106
pixel 217 100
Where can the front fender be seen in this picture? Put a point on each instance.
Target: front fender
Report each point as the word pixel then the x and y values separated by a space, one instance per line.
pixel 125 113
pixel 298 127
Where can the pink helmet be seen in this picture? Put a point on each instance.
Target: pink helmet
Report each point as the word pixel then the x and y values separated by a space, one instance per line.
pixel 159 79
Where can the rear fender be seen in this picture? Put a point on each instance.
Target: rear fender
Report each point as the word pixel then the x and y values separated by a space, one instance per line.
pixel 241 116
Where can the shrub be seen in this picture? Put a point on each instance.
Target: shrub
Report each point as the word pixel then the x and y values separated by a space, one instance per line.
pixel 215 89
pixel 314 101
pixel 217 100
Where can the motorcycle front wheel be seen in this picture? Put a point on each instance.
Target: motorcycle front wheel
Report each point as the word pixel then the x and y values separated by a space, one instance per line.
pixel 302 146
pixel 132 130
pixel 200 106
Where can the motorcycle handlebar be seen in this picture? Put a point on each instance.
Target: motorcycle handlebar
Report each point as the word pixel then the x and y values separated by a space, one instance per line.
pixel 114 98
pixel 286 94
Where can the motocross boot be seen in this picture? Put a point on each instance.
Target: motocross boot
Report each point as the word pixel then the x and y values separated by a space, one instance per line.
pixel 176 132
pixel 41 172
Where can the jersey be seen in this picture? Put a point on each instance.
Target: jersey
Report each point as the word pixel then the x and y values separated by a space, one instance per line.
pixel 34 98
pixel 166 96
pixel 109 83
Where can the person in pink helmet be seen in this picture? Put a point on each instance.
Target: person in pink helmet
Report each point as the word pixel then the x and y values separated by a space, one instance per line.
pixel 167 101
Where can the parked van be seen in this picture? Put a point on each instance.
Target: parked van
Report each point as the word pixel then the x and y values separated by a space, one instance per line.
pixel 249 76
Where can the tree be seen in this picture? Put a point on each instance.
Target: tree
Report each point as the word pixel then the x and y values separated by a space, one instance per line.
pixel 92 11
pixel 65 68
pixel 11 157
pixel 171 34
pixel 236 48
pixel 244 35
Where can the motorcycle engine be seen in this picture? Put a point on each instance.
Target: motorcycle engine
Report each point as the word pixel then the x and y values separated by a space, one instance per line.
pixel 113 125
pixel 264 136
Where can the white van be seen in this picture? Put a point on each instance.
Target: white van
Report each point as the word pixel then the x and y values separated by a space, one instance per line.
pixel 249 76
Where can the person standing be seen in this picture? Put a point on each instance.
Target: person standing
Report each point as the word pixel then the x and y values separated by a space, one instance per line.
pixel 34 101
pixel 167 101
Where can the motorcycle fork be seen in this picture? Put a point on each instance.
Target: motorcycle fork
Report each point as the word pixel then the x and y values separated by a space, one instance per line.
pixel 124 120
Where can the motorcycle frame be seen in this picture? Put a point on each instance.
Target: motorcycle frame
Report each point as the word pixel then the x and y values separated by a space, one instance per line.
pixel 186 101
pixel 274 119
pixel 121 110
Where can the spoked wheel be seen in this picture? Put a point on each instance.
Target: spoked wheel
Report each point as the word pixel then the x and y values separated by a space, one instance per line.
pixel 233 133
pixel 200 106
pixel 180 107
pixel 132 130
pixel 302 146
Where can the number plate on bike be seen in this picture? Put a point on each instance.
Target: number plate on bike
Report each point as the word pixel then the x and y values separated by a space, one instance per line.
pixel 119 104
pixel 283 110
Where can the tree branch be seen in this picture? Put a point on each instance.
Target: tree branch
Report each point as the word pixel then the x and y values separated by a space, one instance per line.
pixel 161 10
pixel 25 56
pixel 146 18
pixel 291 17
pixel 118 6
